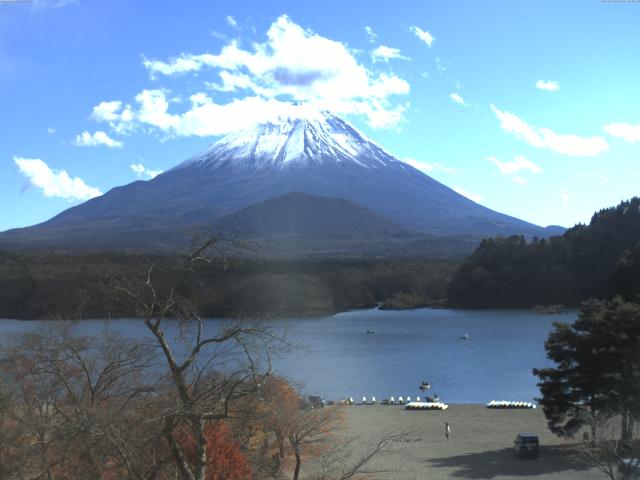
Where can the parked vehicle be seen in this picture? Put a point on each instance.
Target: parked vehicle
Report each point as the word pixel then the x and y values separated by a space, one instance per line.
pixel 526 445
pixel 630 467
pixel 316 401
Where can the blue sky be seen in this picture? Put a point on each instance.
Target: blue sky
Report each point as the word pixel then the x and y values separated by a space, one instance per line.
pixel 530 108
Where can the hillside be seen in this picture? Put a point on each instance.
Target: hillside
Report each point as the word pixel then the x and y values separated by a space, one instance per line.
pixel 299 214
pixel 596 260
pixel 301 225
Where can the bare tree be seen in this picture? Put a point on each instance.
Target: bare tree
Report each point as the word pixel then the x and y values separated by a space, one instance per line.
pixel 11 436
pixel 351 458
pixel 615 457
pixel 313 435
pixel 72 398
pixel 108 407
pixel 209 369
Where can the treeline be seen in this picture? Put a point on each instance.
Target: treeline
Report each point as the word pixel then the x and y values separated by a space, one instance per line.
pixel 601 260
pixel 73 286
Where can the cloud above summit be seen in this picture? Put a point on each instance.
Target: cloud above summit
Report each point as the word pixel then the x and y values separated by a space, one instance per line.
pixel 541 137
pixel 292 64
pixel 384 54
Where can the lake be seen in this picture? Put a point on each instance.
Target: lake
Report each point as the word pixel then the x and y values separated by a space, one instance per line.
pixel 339 359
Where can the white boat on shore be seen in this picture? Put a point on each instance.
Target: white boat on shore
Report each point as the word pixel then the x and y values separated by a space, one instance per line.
pixel 499 404
pixel 426 406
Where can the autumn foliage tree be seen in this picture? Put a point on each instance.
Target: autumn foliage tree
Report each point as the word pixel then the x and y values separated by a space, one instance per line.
pixel 225 460
pixel 188 400
pixel 298 432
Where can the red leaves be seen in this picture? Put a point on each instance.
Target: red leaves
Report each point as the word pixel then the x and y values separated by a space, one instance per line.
pixel 225 461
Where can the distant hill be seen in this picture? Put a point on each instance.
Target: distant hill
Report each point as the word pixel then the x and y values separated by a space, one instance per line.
pixel 297 224
pixel 596 260
pixel 554 230
pixel 302 215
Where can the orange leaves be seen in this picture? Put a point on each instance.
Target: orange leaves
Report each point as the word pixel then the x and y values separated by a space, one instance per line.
pixel 225 461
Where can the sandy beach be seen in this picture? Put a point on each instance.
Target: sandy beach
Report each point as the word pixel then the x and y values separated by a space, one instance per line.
pixel 480 447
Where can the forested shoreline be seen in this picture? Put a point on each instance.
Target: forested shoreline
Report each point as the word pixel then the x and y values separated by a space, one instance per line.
pixel 67 286
pixel 598 260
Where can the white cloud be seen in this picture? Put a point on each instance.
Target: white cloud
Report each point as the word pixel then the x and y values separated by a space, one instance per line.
pixel 183 64
pixel 231 21
pixel 231 82
pixel 371 35
pixel 427 167
pixel 86 139
pixel 471 196
pixel 519 180
pixel 143 172
pixel 207 118
pixel 384 53
pixel 519 163
pixel 627 131
pixel 106 111
pixel 565 144
pixel 51 130
pixel 548 85
pixel 54 183
pixel 120 118
pixel 423 35
pixel 457 98
pixel 154 108
pixel 564 196
pixel 220 36
pixel 292 64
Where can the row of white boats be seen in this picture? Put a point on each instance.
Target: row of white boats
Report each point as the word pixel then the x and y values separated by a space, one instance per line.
pixel 433 403
pixel 426 406
pixel 508 404
pixel 391 400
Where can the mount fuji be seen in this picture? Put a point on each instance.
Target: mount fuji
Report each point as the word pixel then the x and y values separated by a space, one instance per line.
pixel 315 153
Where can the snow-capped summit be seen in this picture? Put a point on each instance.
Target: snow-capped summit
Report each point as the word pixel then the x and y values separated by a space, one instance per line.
pixel 312 153
pixel 306 137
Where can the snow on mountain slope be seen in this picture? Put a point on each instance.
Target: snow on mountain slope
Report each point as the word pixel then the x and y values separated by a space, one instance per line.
pixel 314 139
pixel 315 153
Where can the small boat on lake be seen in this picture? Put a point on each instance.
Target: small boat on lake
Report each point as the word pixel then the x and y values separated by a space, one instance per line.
pixel 465 337
pixel 424 386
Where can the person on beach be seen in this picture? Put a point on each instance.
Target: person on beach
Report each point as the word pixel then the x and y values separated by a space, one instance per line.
pixel 447 430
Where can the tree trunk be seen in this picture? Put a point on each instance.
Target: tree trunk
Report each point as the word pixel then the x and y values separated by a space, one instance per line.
pixel 296 472
pixel 281 446
pixel 182 466
pixel 201 449
pixel 594 422
pixel 624 425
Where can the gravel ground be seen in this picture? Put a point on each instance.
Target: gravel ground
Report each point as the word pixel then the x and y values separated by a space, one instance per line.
pixel 480 447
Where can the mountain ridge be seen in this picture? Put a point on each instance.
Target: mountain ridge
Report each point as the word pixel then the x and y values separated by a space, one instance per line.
pixel 318 154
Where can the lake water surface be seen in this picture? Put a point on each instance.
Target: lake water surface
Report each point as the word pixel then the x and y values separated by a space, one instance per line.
pixel 339 359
